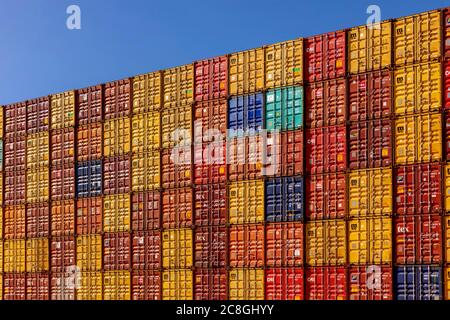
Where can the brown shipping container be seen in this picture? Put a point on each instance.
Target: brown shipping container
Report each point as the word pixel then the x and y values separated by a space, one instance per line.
pixel 15 153
pixel 245 157
pixel 210 247
pixel 89 142
pixel 63 146
pixel 62 286
pixel 370 282
pixel 291 153
pixel 14 285
pixel 210 121
pixel 89 215
pixel 117 99
pixel 14 187
pixel 62 254
pixel 15 119
pixel 370 95
pixel 211 78
pixel 146 250
pixel 210 163
pixel 63 218
pixel 37 220
pixel 284 244
pixel 116 251
pixel 246 246
pixel 38 287
pixel 210 204
pixel 370 144
pixel 90 104
pixel 177 211
pixel 176 167
pixel 63 181
pixel 326 103
pixel 14 222
pixel 38 115
pixel 146 285
pixel 325 197
pixel 211 284
pixel 145 211
pixel 116 175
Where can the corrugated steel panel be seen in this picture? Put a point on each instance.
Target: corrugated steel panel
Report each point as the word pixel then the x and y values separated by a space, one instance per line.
pixel 176 126
pixel 177 248
pixel 63 110
pixel 15 153
pixel 176 170
pixel 446 32
pixel 177 210
pixel 246 284
pixel 63 146
pixel 284 108
pixel 447 188
pixel 446 81
pixel 246 202
pixel 118 99
pixel 289 155
pixel 145 132
pixel 37 255
pixel 211 247
pixel 210 163
pixel 284 63
pixel 15 119
pixel 38 118
pixel 89 142
pixel 326 283
pixel 89 178
pixel 89 217
pixel 146 285
pixel 116 175
pixel 246 71
pixel 14 286
pixel 89 252
pixel 145 171
pixel 177 284
pixel 116 251
pixel 418 283
pixel 178 86
pixel 14 222
pixel 91 286
pixel 38 185
pixel 245 113
pixel 284 244
pixel 116 213
pixel 369 47
pixel 116 137
pixel 246 157
pixel 62 254
pixel 90 105
pixel 62 217
pixel 210 120
pixel 147 93
pixel 146 248
pixel 284 284
pixel 284 199
pixel 1 226
pixel 211 204
pixel 372 282
pixel 211 284
pixel 38 286
pixel 63 182
pixel 211 78
pixel 62 286
pixel 145 211
pixel 246 246
pixel 37 220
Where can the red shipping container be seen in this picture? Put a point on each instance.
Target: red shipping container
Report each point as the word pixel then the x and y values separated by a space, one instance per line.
pixel 370 95
pixel 284 244
pixel 15 120
pixel 326 103
pixel 210 247
pixel 62 254
pixel 63 218
pixel 446 77
pixel 210 121
pixel 145 211
pixel 177 208
pixel 89 143
pixel 326 149
pixel 37 220
pixel 211 78
pixel 14 286
pixel 38 115
pixel 370 144
pixel 14 187
pixel 15 153
pixel 38 287
pixel 116 251
pixel 89 215
pixel 325 196
pixel 176 167
pixel 146 250
pixel 14 222
pixel 418 239
pixel 326 283
pixel 284 284
pixel 292 153
pixel 116 175
pixel 447 131
pixel 211 284
pixel 210 204
pixel 246 246
pixel 146 285
pixel 247 156
pixel 118 99
pixel 63 146
pixel 62 286
pixel 210 163
pixel 325 56
pixel 370 283
pixel 63 181
pixel 90 104
pixel 418 189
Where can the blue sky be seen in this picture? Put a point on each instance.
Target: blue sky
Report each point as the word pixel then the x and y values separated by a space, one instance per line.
pixel 118 38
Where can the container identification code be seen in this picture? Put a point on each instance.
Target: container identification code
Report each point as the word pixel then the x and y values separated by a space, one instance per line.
pixel 229 309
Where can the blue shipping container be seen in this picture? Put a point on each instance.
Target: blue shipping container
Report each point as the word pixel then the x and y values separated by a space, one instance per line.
pixel 284 199
pixel 245 113
pixel 89 178
pixel 418 283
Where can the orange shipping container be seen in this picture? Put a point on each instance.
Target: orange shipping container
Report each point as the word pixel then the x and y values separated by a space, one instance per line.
pixel 89 142
pixel 63 217
pixel 246 246
pixel 37 220
pixel 177 208
pixel 63 146
pixel 14 222
pixel 284 244
pixel 117 99
pixel 89 215
pixel 176 167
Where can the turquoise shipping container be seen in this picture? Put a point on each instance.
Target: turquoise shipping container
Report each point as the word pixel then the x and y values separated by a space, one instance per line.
pixel 284 108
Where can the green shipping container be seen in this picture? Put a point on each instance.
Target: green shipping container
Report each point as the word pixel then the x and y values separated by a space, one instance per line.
pixel 284 109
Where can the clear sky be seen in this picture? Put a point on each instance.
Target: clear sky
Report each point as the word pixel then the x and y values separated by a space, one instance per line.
pixel 39 55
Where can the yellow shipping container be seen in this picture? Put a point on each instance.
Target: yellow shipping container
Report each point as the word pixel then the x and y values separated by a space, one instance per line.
pixel 446 241
pixel 246 71
pixel 417 38
pixel 63 110
pixel 14 256
pixel 284 64
pixel 178 86
pixel 370 241
pixel 177 248
pixel 246 284
pixel 90 287
pixel 117 137
pixel 37 185
pixel 418 138
pixel 326 242
pixel 145 132
pixel 1 215
pixel 1 257
pixel 370 192
pixel 1 287
pixel 369 47
pixel 177 284
pixel 37 255
pixel 176 126
pixel 116 213
pixel 447 283
pixel 147 92
pixel 38 150
pixel 145 171
pixel 116 285
pixel 417 88
pixel 447 188
pixel 246 202
pixel 89 252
